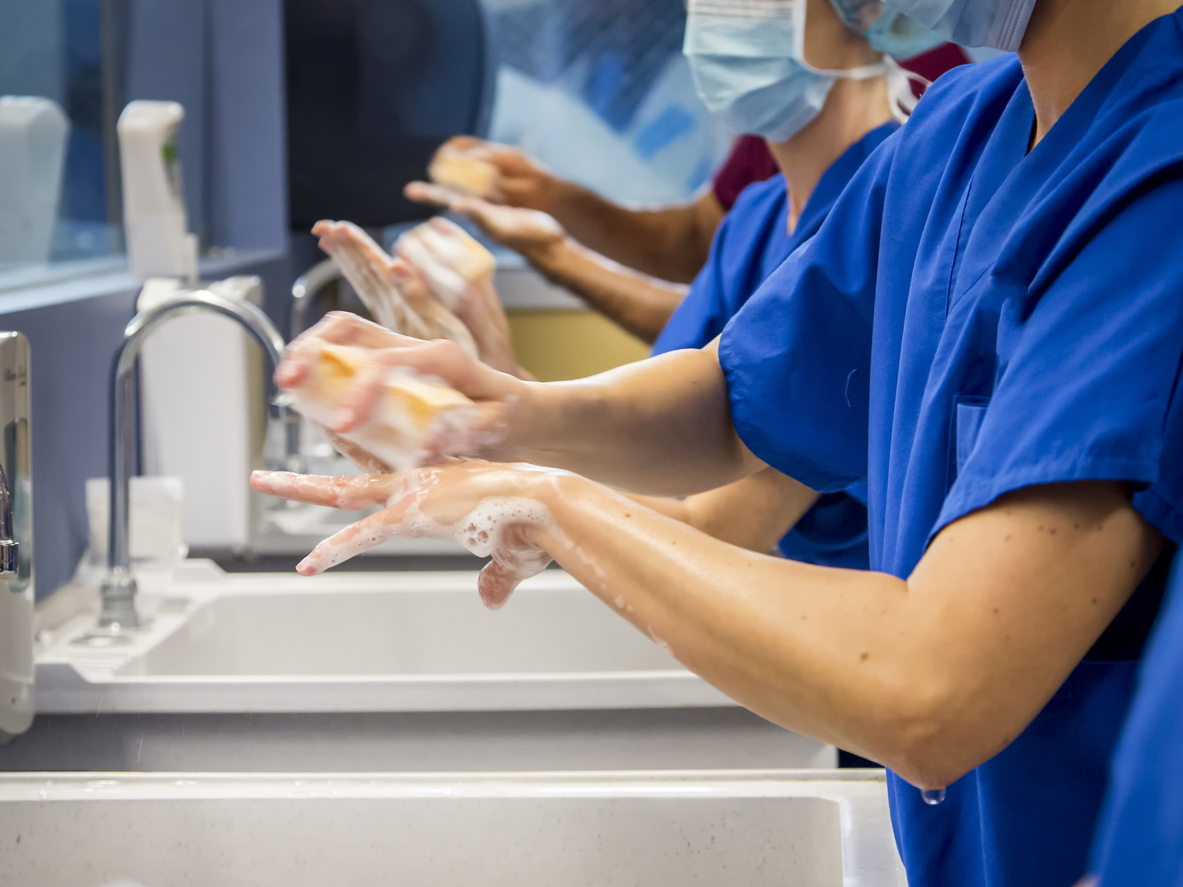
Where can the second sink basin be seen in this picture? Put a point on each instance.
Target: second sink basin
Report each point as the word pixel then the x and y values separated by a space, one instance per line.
pixel 480 830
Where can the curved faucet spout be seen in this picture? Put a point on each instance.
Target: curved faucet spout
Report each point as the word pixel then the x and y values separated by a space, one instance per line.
pixel 119 586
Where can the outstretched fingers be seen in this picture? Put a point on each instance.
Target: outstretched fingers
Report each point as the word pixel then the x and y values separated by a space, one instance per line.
pixel 356 538
pixel 350 493
pixel 434 195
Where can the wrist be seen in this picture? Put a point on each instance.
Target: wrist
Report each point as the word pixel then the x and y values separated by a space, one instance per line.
pixel 535 418
pixel 556 196
pixel 517 423
pixel 551 257
pixel 556 489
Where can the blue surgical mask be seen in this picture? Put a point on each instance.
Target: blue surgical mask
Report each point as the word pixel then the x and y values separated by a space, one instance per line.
pixel 747 58
pixel 887 31
pixel 996 23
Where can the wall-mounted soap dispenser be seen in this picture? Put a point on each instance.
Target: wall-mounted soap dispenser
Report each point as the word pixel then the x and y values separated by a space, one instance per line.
pixel 33 133
pixel 16 539
pixel 158 240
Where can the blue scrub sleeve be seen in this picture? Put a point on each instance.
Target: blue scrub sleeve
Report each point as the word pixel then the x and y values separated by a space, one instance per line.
pixel 797 356
pixel 1087 380
pixel 702 314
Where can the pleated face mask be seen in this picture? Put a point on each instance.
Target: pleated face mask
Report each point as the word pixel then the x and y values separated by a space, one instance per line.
pixel 887 30
pixel 1000 24
pixel 747 58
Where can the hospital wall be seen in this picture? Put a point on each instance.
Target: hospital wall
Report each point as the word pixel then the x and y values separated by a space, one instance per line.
pixel 74 330
pixel 223 59
pixel 557 345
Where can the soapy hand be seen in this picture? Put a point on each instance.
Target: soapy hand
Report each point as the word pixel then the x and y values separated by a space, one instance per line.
pixel 526 231
pixel 495 511
pixel 498 173
pixel 440 255
pixel 373 275
pixel 495 393
pixel 449 259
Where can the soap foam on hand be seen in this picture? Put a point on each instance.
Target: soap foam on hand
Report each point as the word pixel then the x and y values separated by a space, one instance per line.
pixel 363 263
pixel 392 304
pixel 448 257
pixel 463 172
pixel 481 531
pixel 439 502
pixel 414 418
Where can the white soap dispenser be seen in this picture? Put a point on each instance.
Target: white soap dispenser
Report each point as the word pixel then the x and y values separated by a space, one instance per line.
pixel 158 240
pixel 33 134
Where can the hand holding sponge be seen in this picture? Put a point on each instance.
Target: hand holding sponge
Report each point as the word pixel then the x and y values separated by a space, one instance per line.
pixel 415 417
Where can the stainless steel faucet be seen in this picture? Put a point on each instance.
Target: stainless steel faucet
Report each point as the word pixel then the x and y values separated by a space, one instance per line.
pixel 305 291
pixel 16 538
pixel 118 591
pixel 307 288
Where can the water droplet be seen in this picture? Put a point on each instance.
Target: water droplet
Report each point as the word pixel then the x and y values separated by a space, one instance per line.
pixel 932 797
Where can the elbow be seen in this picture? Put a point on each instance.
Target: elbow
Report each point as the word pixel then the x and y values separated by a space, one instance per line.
pixel 935 738
pixel 929 766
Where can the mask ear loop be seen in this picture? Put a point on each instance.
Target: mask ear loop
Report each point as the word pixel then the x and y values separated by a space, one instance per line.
pixel 900 96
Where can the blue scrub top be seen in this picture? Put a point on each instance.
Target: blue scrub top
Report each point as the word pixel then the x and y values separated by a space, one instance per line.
pixel 749 245
pixel 1140 840
pixel 971 320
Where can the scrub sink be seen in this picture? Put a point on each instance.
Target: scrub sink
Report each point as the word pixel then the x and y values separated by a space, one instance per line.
pixel 477 830
pixel 393 672
pixel 363 642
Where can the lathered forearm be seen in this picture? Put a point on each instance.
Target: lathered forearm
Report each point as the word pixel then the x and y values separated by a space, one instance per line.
pixel 782 638
pixel 931 676
pixel 660 426
pixel 640 304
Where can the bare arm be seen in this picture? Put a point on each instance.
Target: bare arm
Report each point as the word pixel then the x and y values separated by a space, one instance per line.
pixel 660 426
pixel 931 675
pixel 670 243
pixel 753 513
pixel 640 304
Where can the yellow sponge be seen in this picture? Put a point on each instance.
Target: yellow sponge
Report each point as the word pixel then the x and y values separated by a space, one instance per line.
pixel 412 409
pixel 462 171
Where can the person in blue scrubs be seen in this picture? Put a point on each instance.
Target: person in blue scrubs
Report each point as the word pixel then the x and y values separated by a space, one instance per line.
pixel 818 147
pixel 987 329
pixel 1140 839
pixel 830 100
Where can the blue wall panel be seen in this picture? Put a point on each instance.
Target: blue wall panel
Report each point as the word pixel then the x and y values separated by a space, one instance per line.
pixel 71 344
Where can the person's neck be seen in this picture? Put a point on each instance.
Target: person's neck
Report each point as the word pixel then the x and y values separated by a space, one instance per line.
pixel 853 109
pixel 1067 44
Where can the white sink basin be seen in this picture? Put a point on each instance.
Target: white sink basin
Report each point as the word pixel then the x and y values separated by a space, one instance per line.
pixel 483 830
pixel 372 642
pixel 407 624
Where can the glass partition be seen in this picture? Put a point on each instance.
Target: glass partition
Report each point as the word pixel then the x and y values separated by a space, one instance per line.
pixel 600 92
pixel 58 169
